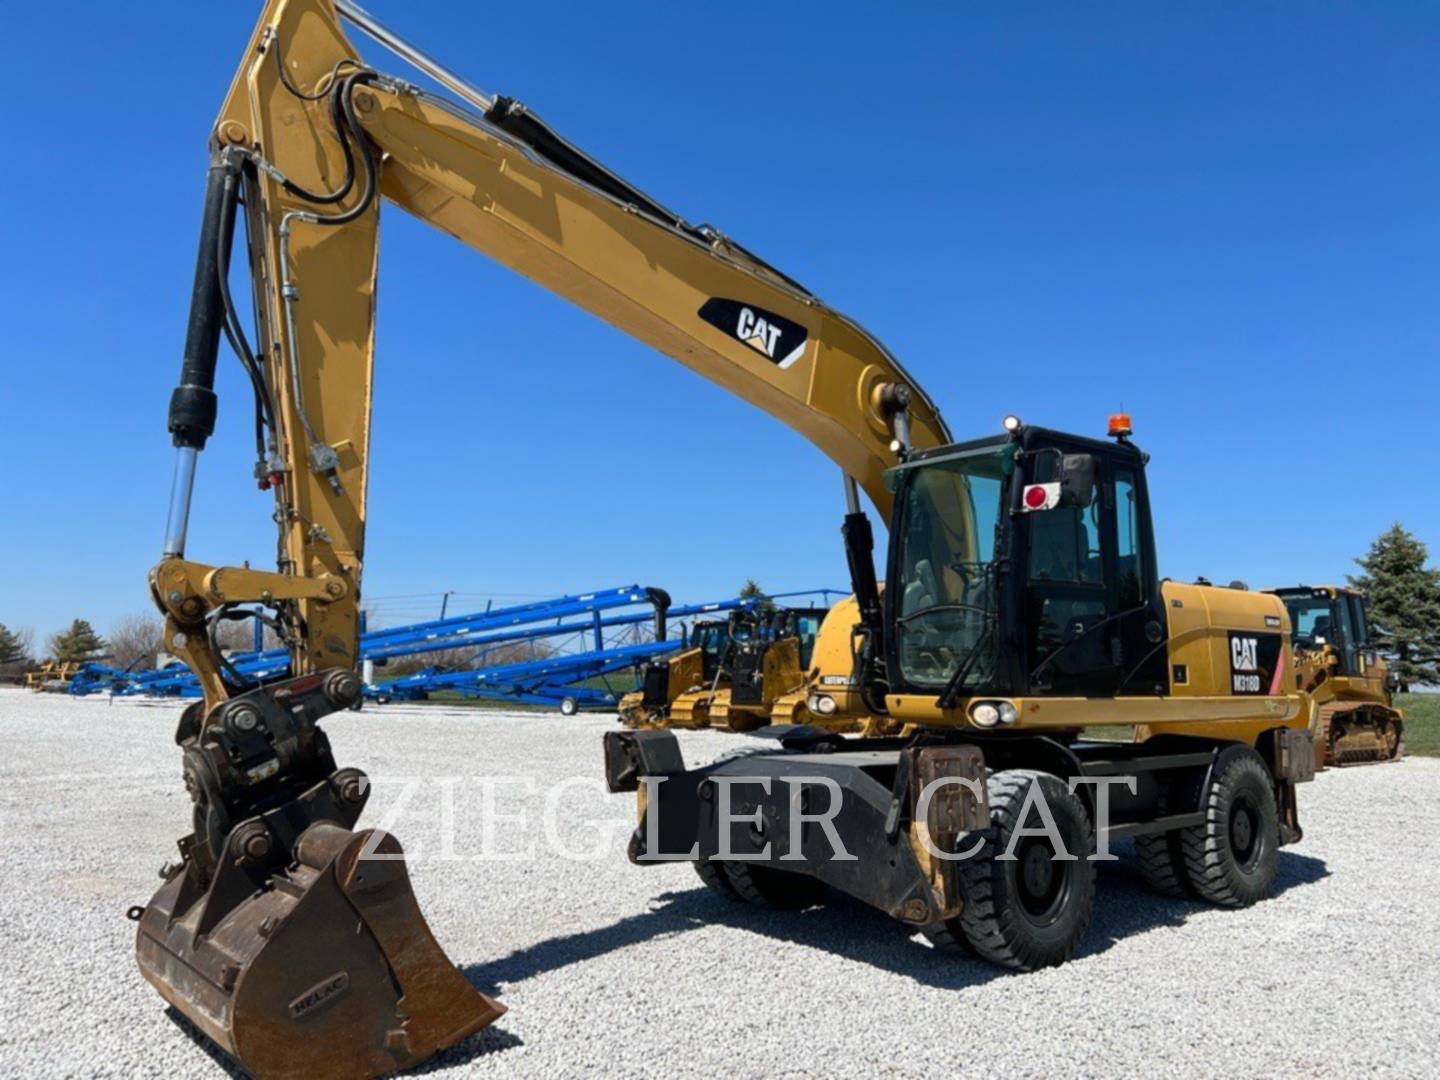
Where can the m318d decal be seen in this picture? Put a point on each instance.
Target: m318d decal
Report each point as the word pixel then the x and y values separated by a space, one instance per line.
pixel 1253 657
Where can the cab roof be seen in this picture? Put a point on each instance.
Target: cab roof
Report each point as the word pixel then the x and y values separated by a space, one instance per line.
pixel 1030 436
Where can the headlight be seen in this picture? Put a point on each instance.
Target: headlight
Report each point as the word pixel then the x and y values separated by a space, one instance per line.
pixel 984 715
pixel 823 704
pixel 1008 715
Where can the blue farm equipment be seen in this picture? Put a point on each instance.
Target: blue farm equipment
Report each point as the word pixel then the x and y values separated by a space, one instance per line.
pixel 460 631
pixel 586 617
pixel 547 681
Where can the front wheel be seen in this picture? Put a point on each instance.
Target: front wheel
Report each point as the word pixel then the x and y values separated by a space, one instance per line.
pixel 569 706
pixel 1028 901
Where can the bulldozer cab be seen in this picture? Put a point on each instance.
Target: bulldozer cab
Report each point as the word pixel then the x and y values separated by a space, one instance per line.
pixel 1334 618
pixel 715 639
pixel 1024 564
pixel 749 655
pixel 802 624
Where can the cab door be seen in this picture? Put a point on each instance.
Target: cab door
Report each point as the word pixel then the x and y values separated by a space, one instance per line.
pixel 1072 648
pixel 1140 612
pixel 1345 635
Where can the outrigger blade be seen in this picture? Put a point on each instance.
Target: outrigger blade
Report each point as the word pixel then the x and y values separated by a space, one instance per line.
pixel 319 964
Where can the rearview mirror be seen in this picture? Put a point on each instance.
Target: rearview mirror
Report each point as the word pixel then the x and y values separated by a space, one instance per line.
pixel 1077 479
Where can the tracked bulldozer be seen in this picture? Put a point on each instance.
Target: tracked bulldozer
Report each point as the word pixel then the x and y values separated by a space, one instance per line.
pixel 1336 662
pixel 678 690
pixel 766 665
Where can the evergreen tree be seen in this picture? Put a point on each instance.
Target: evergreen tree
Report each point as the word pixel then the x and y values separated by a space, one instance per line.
pixel 1404 596
pixel 12 647
pixel 77 644
pixel 751 590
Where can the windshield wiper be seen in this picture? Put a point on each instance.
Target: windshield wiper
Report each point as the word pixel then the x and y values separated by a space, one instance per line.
pixel 933 608
pixel 952 688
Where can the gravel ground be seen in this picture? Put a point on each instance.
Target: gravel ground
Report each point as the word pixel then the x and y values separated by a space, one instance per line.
pixel 612 969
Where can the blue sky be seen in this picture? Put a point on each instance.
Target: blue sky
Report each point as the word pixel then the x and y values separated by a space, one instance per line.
pixel 1220 216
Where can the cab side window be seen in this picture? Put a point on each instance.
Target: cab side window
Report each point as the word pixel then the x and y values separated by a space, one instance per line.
pixel 1129 559
pixel 1065 541
pixel 1357 617
pixel 1349 653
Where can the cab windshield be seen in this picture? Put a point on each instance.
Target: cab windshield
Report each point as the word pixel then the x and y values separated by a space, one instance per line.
pixel 946 612
pixel 1311 619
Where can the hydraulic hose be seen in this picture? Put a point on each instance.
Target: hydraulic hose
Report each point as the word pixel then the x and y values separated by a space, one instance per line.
pixel 232 327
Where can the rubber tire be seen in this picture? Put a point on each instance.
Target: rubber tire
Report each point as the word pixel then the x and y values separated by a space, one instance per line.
pixel 716 880
pixel 767 887
pixel 947 937
pixel 569 706
pixel 1212 866
pixel 993 921
pixel 1162 864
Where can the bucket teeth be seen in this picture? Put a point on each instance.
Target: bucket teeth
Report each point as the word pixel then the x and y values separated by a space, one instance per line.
pixel 329 969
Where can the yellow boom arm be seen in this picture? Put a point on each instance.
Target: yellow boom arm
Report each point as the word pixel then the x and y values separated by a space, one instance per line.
pixel 313 159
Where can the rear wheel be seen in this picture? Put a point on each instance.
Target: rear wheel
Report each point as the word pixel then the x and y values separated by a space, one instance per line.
pixel 1027 902
pixel 1162 858
pixel 569 706
pixel 948 937
pixel 1162 863
pixel 764 886
pixel 716 880
pixel 1231 859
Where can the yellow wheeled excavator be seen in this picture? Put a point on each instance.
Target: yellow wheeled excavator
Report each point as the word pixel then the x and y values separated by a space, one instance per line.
pixel 1356 722
pixel 1022 606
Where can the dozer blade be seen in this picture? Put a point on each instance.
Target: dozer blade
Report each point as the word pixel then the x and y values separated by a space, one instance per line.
pixel 328 970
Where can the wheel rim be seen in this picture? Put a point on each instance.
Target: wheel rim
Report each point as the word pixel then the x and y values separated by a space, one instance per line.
pixel 1043 882
pixel 1245 832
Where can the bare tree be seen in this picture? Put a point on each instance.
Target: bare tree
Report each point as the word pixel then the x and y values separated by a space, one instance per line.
pixel 235 635
pixel 515 652
pixel 466 658
pixel 445 659
pixel 135 641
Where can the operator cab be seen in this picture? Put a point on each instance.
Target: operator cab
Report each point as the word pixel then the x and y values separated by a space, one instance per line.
pixel 802 624
pixel 747 668
pixel 716 641
pixel 1330 616
pixel 1024 564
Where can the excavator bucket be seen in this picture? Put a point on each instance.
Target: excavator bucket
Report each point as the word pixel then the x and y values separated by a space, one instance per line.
pixel 327 968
